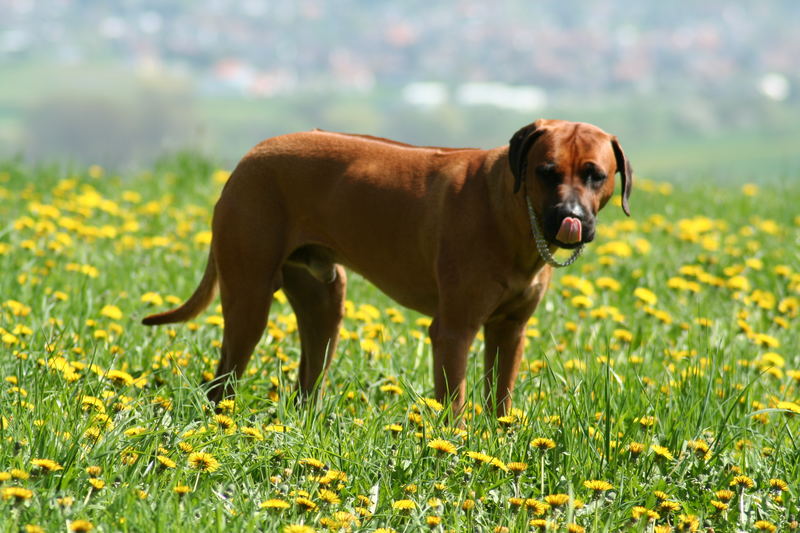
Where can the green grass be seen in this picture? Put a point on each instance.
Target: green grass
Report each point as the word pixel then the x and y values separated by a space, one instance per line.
pixel 606 371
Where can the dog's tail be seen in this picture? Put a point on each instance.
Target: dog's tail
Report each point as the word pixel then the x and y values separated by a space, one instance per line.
pixel 192 307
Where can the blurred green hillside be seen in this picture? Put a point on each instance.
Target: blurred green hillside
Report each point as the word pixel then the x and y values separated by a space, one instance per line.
pixel 690 88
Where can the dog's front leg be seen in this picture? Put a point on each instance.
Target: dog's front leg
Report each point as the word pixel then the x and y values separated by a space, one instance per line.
pixel 505 342
pixel 504 347
pixel 451 341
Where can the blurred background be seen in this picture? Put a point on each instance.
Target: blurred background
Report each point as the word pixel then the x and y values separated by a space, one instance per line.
pixel 691 88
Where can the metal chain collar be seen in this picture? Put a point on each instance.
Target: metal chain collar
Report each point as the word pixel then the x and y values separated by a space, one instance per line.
pixel 541 243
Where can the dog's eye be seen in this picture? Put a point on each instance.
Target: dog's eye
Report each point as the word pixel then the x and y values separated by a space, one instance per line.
pixel 593 174
pixel 596 178
pixel 548 172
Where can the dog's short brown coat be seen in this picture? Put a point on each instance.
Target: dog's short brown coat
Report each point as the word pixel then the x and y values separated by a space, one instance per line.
pixel 442 231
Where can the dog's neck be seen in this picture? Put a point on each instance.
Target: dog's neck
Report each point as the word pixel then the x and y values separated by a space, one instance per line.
pixel 511 215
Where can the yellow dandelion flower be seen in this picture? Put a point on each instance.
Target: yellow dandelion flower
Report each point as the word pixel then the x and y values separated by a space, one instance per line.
pixel 557 500
pixel 432 404
pixel 517 467
pixel 536 507
pixel 435 502
pixel 725 495
pixel 90 402
pixel 433 520
pixel 165 461
pixel 275 503
pixel 639 512
pixel 202 237
pixel 442 446
pixel 635 448
pixel 687 522
pixel 204 462
pixel 306 503
pixel 47 465
pixel 742 481
pixel 20 474
pixel 623 335
pixel 542 524
pixel 111 311
pixel 497 463
pixel 750 189
pixel 700 448
pixel 778 485
pixel 645 295
pixel 543 444
pixel 404 505
pixel 608 283
pixel 227 405
pixel 120 377
pixel 507 420
pixel 16 493
pixel 224 423
pixel 332 475
pixel 298 528
pixel 791 408
pixel 81 526
pixel 581 302
pixel 252 432
pixel 646 421
pixel 598 485
pixel 719 506
pixel 97 483
pixel 575 528
pixel 152 298
pixel 345 518
pixel 181 489
pixel 328 496
pixel 391 389
pixel 93 434
pixel 661 451
pixel 669 506
pixel 763 525
pixel 134 431
pixel 311 462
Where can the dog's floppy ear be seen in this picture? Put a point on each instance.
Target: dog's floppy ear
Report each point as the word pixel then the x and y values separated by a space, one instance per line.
pixel 625 170
pixel 518 148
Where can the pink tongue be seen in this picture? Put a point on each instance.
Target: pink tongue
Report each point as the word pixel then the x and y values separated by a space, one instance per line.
pixel 570 231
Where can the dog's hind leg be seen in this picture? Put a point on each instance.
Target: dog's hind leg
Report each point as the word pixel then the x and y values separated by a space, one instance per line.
pixel 319 308
pixel 248 266
pixel 245 307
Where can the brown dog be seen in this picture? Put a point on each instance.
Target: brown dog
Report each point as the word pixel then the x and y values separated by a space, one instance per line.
pixel 443 231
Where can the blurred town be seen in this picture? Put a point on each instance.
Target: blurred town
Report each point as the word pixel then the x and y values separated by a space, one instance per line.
pixel 202 73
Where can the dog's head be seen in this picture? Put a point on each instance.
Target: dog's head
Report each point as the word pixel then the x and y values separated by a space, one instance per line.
pixel 568 170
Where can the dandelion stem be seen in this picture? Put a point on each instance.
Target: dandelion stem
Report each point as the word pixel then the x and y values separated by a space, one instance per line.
pixel 541 475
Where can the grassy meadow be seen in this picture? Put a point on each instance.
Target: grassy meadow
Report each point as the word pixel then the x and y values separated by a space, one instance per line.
pixel 660 389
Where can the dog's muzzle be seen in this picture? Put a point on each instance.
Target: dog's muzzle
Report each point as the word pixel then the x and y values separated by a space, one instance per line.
pixel 544 247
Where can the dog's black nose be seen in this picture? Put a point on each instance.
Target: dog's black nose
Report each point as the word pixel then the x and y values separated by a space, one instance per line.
pixel 572 209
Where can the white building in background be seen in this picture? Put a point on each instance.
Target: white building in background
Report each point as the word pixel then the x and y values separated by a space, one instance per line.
pixel 426 94
pixel 774 86
pixel 522 98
